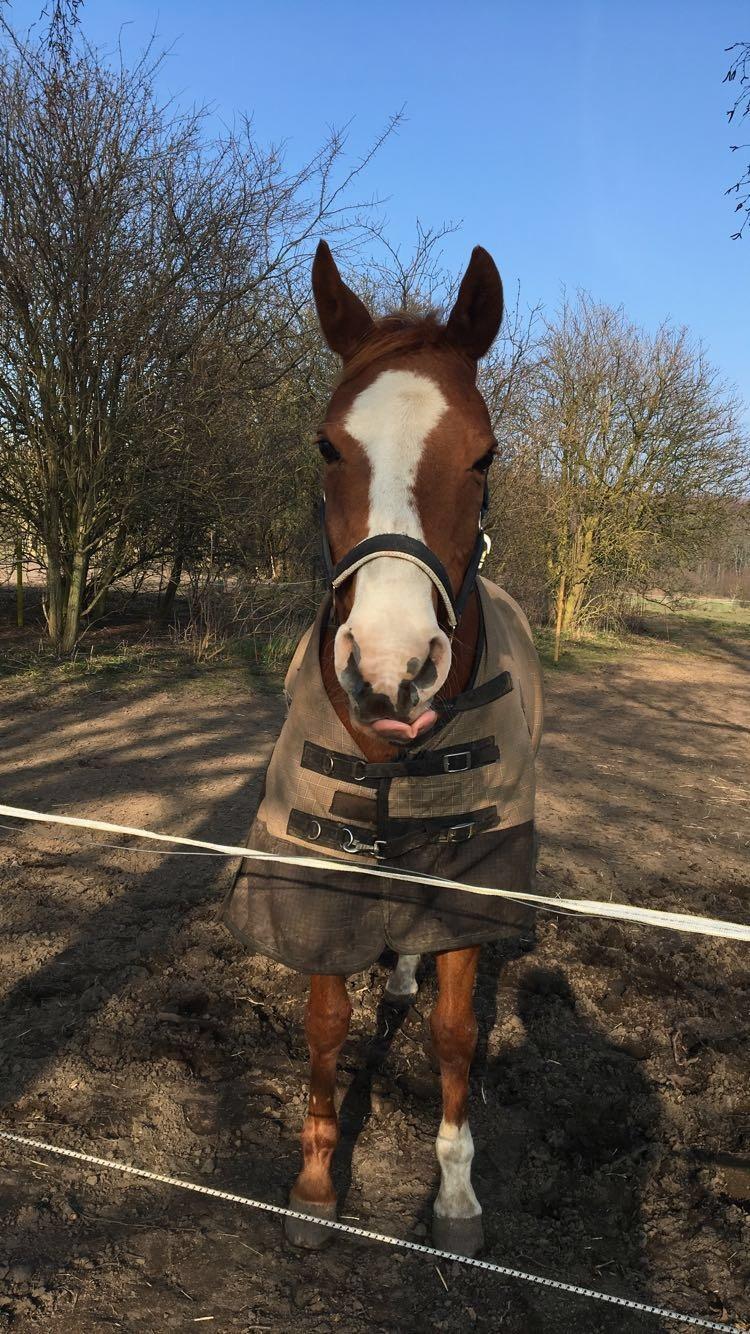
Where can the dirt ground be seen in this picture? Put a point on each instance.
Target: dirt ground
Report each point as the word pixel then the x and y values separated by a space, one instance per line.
pixel 610 1090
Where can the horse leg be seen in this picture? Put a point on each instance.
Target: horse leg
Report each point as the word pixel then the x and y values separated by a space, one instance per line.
pixel 326 1026
pixel 457 1213
pixel 401 987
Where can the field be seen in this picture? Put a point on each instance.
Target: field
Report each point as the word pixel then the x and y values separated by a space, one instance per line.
pixel 610 1090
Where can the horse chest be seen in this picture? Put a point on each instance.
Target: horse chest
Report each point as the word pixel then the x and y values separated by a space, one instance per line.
pixel 460 805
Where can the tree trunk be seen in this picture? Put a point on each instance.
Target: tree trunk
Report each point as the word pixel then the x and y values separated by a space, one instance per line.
pixel 19 584
pixel 107 574
pixel 76 591
pixel 170 592
pixel 99 605
pixel 55 597
pixel 559 617
pixel 579 576
pixel 56 573
pixel 571 610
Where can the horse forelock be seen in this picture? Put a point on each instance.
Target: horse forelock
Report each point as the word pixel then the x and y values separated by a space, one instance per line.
pixel 395 336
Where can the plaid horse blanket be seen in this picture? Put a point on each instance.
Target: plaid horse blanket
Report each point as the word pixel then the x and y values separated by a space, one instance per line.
pixel 457 804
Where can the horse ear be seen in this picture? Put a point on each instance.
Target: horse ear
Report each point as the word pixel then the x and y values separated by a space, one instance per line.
pixel 476 317
pixel 344 319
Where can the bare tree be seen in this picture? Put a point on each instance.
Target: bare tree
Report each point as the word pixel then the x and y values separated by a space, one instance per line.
pixel 739 72
pixel 414 281
pixel 148 275
pixel 635 440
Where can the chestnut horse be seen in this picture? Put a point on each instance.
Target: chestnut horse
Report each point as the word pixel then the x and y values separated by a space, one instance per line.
pixel 407 443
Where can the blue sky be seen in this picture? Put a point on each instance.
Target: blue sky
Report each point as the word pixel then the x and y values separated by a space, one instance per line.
pixel 583 142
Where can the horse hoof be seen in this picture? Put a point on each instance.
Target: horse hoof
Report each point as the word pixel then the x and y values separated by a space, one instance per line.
pixel 461 1236
pixel 400 1000
pixel 303 1231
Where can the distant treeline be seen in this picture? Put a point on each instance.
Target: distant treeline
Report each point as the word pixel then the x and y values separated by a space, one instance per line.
pixel 162 375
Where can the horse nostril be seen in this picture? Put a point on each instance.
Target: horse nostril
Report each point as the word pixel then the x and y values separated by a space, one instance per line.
pixel 427 674
pixel 348 645
pixel 370 704
pixel 351 677
pixel 438 649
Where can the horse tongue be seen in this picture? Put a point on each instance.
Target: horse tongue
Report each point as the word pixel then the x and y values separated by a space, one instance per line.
pixel 390 727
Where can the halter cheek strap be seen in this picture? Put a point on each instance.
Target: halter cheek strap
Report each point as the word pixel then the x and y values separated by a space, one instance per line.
pixel 402 547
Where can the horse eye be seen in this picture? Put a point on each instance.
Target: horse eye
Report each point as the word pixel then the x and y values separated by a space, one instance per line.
pixel 483 464
pixel 329 451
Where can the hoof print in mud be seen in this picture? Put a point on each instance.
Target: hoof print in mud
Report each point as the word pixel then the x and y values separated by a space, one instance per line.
pixel 305 1232
pixel 461 1236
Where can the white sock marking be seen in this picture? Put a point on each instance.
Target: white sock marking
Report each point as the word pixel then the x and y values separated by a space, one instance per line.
pixel 403 979
pixel 455 1153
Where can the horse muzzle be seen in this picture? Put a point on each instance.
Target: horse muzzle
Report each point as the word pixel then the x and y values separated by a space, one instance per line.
pixel 391 671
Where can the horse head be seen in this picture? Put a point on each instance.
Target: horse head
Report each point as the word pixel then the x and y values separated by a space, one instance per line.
pixel 406 442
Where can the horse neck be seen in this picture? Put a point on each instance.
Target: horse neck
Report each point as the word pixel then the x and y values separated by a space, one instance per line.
pixel 464 647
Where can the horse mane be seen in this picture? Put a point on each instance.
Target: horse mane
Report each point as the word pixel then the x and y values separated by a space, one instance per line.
pixel 393 335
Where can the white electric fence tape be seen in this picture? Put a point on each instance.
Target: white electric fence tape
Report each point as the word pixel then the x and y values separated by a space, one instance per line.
pixel 504 1270
pixel 622 912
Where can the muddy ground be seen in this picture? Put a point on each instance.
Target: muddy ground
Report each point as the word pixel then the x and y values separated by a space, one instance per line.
pixel 610 1090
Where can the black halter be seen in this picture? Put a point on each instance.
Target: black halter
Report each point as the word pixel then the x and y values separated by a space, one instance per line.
pixel 403 547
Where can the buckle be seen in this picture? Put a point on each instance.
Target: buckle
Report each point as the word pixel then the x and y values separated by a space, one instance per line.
pixel 314 830
pixel 359 771
pixel 451 764
pixel 461 833
pixel 329 764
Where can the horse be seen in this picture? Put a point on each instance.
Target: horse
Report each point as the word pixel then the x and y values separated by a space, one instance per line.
pixel 411 649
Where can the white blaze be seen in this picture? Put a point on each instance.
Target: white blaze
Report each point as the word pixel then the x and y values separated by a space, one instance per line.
pixel 393 619
pixel 391 419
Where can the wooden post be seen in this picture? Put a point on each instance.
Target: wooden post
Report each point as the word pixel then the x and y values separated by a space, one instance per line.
pixel 19 584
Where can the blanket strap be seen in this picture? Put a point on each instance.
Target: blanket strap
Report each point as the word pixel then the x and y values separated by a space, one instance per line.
pixel 458 759
pixel 357 840
pixel 476 698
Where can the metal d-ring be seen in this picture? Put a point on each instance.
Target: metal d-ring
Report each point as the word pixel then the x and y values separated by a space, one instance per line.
pixel 352 843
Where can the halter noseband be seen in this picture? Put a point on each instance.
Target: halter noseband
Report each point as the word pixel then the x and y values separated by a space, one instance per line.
pixel 402 547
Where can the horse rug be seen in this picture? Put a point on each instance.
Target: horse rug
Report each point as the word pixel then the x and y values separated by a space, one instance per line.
pixel 458 803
